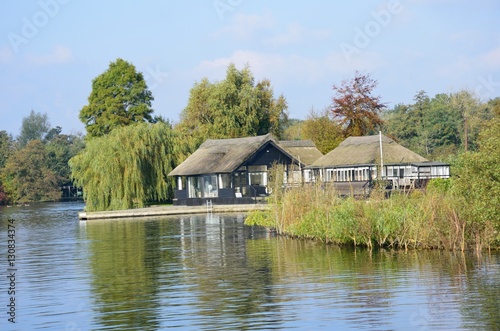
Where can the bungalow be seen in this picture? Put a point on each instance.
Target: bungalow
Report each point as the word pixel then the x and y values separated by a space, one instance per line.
pixel 357 161
pixel 230 171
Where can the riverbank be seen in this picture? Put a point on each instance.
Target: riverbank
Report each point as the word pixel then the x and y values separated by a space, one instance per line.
pixel 170 210
pixel 432 219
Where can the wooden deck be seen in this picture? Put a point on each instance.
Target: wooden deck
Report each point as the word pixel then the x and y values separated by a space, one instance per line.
pixel 169 211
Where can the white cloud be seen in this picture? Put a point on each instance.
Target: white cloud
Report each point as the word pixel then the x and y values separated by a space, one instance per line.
pixel 59 55
pixel 291 68
pixel 296 33
pixel 243 27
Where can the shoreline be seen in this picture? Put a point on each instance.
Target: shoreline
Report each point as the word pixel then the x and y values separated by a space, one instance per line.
pixel 170 211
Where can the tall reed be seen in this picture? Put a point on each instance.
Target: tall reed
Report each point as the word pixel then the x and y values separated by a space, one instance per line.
pixel 428 219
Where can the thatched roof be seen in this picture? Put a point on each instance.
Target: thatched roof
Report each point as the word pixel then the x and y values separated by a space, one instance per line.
pixel 366 150
pixel 224 155
pixel 303 150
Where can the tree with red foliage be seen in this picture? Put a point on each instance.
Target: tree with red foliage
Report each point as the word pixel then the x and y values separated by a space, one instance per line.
pixel 354 106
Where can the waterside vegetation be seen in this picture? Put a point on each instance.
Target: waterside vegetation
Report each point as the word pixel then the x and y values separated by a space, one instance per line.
pixel 453 214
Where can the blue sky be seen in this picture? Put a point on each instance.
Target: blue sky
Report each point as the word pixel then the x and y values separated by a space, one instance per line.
pixel 50 50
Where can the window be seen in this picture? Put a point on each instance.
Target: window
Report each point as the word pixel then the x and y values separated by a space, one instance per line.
pixel 224 181
pixel 330 175
pixel 194 187
pixel 258 175
pixel 240 182
pixel 210 186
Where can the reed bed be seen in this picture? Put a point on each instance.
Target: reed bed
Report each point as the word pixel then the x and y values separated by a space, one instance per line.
pixel 429 219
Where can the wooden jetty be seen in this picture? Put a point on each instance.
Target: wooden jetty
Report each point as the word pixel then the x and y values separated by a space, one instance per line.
pixel 156 211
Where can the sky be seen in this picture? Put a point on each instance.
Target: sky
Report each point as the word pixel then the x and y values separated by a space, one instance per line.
pixel 51 50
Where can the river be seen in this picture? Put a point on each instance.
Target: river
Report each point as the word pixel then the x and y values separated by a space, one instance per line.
pixel 211 272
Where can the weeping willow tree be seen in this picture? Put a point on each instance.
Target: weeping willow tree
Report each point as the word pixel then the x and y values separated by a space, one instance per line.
pixel 127 167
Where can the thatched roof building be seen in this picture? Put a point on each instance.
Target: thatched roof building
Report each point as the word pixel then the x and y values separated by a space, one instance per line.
pixel 303 150
pixel 225 155
pixel 366 151
pixel 227 171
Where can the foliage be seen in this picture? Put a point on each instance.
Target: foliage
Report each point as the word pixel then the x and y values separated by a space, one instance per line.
pixel 6 147
pixel 27 177
pixel 467 105
pixel 234 107
pixel 319 127
pixel 50 155
pixel 322 130
pixel 293 130
pixel 60 149
pixel 261 218
pixel 354 106
pixel 438 127
pixel 119 97
pixel 424 220
pixel 477 184
pixel 34 127
pixel 127 167
pixel 493 106
pixel 4 198
pixel 439 185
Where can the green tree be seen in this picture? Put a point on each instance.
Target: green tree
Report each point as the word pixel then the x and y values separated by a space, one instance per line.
pixel 467 105
pixel 60 149
pixel 354 106
pixel 27 177
pixel 119 97
pixel 420 111
pixel 477 185
pixel 293 130
pixel 397 124
pixel 434 127
pixel 443 128
pixel 322 130
pixel 272 113
pixel 231 108
pixel 54 132
pixel 127 167
pixel 6 149
pixel 33 127
pixel 493 106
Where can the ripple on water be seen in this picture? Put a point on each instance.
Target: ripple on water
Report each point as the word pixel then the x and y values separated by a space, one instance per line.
pixel 188 274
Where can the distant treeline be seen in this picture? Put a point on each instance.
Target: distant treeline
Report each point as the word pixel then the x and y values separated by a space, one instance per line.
pixel 34 165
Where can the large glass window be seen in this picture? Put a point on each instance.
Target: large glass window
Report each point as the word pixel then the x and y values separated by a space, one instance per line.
pixel 224 181
pixel 258 175
pixel 194 187
pixel 258 178
pixel 240 182
pixel 210 186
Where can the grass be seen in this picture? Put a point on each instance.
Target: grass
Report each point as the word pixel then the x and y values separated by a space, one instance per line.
pixel 428 219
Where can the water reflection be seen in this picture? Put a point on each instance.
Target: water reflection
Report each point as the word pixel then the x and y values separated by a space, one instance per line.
pixel 210 272
pixel 233 291
pixel 194 257
pixel 125 262
pixel 224 275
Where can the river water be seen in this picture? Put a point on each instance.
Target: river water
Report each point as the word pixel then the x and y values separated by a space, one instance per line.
pixel 211 272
